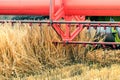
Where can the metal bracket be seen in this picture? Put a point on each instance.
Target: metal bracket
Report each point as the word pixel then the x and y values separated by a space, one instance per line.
pixel 60 13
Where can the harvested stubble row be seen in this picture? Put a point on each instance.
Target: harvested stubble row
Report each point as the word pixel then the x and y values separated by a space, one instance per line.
pixel 27 50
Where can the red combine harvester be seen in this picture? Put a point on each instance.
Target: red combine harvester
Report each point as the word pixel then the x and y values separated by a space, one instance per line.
pixel 67 10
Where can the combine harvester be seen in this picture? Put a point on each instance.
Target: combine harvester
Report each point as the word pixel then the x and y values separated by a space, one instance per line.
pixel 68 10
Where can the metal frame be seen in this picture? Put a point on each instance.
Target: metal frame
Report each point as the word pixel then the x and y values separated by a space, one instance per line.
pixel 67 36
pixel 113 44
pixel 107 23
pixel 60 13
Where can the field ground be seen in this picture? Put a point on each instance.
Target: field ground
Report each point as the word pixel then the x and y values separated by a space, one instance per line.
pixel 79 72
pixel 27 53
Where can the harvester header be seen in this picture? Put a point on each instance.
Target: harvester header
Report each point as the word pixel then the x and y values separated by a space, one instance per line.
pixel 67 10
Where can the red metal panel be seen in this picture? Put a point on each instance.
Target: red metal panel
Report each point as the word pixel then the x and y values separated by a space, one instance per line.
pixel 19 7
pixel 26 7
pixel 92 4
pixel 72 7
pixel 93 7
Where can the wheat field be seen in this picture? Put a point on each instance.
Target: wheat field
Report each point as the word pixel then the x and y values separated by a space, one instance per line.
pixel 27 53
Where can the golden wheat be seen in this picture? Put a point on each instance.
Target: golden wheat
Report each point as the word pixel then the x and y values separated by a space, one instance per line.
pixel 28 50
